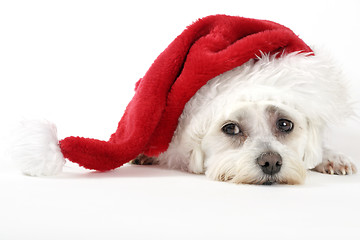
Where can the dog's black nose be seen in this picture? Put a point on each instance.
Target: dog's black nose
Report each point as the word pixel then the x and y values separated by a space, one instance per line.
pixel 270 162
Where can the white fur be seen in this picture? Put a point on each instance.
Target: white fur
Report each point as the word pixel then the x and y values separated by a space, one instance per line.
pixel 335 163
pixel 36 149
pixel 310 89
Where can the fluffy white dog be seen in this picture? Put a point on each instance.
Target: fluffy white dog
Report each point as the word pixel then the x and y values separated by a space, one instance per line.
pixel 262 123
pixel 259 123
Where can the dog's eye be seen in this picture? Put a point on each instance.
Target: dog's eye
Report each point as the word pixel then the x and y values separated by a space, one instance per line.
pixel 284 125
pixel 231 129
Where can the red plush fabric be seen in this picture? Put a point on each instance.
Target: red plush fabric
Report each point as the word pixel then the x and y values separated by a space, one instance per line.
pixel 205 49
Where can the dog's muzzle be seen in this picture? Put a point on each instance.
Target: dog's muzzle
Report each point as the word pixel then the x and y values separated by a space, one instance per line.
pixel 270 162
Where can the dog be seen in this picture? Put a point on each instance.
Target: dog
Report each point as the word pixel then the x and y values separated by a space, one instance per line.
pixel 262 123
pixel 237 99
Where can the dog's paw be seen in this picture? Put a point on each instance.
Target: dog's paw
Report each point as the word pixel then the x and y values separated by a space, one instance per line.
pixel 335 163
pixel 144 160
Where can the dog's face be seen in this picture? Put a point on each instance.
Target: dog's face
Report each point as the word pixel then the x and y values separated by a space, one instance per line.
pixel 258 143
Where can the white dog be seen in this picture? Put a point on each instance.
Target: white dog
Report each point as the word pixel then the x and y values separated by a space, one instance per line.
pixel 262 123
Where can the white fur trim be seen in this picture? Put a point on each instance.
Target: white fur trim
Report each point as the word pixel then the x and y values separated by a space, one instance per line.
pixel 36 150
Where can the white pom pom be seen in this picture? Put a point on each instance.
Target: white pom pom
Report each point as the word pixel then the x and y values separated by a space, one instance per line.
pixel 36 150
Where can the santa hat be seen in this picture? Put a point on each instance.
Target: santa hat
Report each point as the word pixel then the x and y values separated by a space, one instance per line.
pixel 205 49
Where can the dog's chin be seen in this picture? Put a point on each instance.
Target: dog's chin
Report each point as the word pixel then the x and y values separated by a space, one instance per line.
pixel 268 183
pixel 267 180
pixel 271 180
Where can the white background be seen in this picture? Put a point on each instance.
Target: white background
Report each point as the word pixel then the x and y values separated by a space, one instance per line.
pixel 76 63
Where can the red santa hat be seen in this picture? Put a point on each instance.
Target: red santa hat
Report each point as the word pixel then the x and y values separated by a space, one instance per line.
pixel 208 47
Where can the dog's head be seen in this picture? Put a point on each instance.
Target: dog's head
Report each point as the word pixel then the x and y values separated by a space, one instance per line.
pixel 262 123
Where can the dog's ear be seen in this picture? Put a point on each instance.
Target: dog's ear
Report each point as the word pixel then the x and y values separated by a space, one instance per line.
pixel 313 148
pixel 196 164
